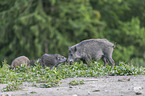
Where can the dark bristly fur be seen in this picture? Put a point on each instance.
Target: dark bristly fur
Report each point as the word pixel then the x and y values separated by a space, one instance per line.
pixel 18 61
pixel 92 49
pixel 32 62
pixel 51 60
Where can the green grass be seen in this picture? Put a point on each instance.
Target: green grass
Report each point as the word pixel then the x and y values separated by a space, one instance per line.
pixel 73 83
pixel 50 78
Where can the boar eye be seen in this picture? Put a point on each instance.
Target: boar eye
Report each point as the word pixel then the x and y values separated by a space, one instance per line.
pixel 70 54
pixel 58 58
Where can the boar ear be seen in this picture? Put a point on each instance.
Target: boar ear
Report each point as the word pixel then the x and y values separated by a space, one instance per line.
pixel 75 49
pixel 69 47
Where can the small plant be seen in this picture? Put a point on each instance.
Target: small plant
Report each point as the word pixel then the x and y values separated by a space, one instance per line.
pixel 73 83
pixel 46 85
pixel 5 64
pixel 22 68
pixel 33 92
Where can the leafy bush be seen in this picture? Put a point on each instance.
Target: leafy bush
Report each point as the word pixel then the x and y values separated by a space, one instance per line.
pixel 50 78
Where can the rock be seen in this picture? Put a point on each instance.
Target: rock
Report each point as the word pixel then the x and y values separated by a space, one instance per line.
pixel 138 90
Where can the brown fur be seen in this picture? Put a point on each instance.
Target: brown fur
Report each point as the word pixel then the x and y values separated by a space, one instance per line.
pixel 19 60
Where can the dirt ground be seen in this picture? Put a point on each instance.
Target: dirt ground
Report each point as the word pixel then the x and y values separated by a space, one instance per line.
pixel 102 86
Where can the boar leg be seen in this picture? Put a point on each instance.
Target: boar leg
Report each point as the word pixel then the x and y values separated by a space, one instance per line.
pixel 111 61
pixel 43 64
pixel 108 55
pixel 105 60
pixel 86 61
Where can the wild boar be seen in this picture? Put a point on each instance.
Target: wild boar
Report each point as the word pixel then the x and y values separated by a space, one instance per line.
pixel 92 49
pixel 51 60
pixel 18 61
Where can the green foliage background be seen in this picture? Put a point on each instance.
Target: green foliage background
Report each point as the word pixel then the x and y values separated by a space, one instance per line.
pixel 35 27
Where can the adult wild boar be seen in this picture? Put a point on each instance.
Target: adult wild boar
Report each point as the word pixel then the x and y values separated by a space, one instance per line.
pixel 51 60
pixel 92 49
pixel 18 61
